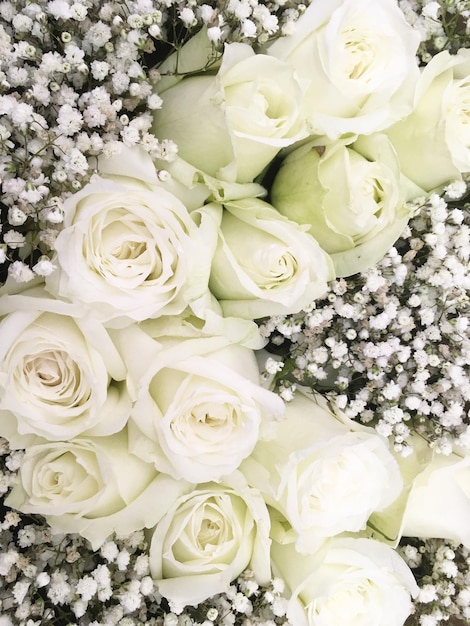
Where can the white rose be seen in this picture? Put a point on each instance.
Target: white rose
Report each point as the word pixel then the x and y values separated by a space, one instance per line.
pixel 129 249
pixel 433 142
pixel 359 60
pixel 439 502
pixel 358 582
pixel 208 538
pixel 324 476
pixel 264 264
pixel 352 197
pixel 232 124
pixel 61 374
pixel 200 408
pixel 92 487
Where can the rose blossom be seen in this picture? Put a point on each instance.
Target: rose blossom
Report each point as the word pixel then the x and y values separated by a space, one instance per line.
pixel 199 406
pixel 129 249
pixel 208 538
pixel 358 582
pixel 238 120
pixel 433 142
pixel 352 197
pixel 325 476
pixel 358 61
pixel 93 487
pixel 61 374
pixel 264 264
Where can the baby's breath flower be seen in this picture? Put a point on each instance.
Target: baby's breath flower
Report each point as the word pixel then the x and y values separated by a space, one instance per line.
pixel 384 348
pixel 20 272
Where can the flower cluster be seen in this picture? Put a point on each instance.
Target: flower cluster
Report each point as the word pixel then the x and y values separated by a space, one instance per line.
pixel 174 173
pixel 443 24
pixel 47 576
pixel 76 79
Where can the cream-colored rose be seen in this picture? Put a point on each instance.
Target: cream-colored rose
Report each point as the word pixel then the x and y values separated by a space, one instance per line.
pixel 358 582
pixel 208 538
pixel 199 407
pixel 358 59
pixel 433 142
pixel 93 487
pixel 61 374
pixel 352 197
pixel 232 124
pixel 264 264
pixel 129 249
pixel 325 476
pixel 439 502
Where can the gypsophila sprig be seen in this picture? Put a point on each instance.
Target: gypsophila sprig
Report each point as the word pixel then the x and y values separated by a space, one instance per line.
pixel 391 346
pixel 443 24
pixel 440 568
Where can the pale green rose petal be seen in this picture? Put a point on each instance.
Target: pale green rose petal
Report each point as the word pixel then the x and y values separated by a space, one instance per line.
pixel 423 133
pixel 292 187
pixel 237 330
pixel 197 54
pixel 210 147
pixel 368 254
pixel 33 298
pixel 439 502
pixel 433 142
pixel 132 163
pixel 205 319
pixel 386 525
pixel 198 184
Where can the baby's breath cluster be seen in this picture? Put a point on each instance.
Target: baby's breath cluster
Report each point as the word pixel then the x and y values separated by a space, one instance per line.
pixel 442 570
pixel 76 78
pixel 49 578
pixel 73 83
pixel 391 346
pixel 443 24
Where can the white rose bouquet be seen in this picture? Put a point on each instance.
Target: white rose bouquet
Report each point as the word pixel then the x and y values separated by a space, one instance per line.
pixel 234 338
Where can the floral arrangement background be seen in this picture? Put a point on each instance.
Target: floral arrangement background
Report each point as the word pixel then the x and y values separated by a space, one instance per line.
pixel 234 339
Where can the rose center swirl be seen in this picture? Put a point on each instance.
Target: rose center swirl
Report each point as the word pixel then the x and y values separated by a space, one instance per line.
pixel 54 376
